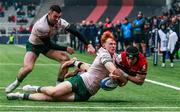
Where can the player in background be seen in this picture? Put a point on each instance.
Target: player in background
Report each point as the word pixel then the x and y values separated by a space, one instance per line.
pixel 40 42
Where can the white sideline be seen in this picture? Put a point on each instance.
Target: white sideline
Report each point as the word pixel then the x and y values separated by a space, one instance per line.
pixel 163 84
pixel 85 107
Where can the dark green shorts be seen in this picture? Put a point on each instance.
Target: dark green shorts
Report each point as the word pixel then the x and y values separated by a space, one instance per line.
pixel 37 49
pixel 79 88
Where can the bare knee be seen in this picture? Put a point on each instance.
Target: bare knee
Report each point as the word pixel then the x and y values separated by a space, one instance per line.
pixel 51 91
pixel 54 93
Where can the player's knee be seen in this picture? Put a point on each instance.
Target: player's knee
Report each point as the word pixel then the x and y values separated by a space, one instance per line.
pixel 52 92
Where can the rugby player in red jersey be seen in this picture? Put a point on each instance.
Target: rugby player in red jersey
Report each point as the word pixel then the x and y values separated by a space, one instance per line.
pixel 133 65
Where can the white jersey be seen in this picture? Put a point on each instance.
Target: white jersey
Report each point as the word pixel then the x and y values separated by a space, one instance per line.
pixel 172 41
pixel 97 71
pixel 42 29
pixel 164 40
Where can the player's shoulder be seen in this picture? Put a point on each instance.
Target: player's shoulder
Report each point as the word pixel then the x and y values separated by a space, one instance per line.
pixel 41 24
pixel 101 51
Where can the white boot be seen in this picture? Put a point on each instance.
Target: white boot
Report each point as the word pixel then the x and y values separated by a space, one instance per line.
pixel 12 86
pixel 29 88
pixel 15 96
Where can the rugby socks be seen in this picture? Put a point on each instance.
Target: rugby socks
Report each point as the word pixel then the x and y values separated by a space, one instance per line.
pixel 19 79
pixel 24 96
pixel 39 89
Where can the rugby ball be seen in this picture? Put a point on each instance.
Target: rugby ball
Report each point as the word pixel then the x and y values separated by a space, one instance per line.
pixel 108 84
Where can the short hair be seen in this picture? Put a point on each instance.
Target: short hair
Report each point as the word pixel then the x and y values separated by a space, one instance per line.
pixel 107 35
pixel 132 51
pixel 55 8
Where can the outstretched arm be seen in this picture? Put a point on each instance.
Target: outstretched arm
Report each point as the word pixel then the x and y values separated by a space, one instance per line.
pixel 139 79
pixel 90 48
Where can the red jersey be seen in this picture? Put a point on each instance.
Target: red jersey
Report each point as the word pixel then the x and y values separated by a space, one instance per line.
pixel 140 67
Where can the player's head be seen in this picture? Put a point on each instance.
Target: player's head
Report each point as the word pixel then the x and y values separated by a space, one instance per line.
pixel 54 14
pixel 132 55
pixel 108 42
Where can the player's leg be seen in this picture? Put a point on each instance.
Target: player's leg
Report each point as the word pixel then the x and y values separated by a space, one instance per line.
pixel 67 97
pixel 44 97
pixel 163 59
pixel 29 61
pixel 61 57
pixel 39 97
pixel 27 96
pixel 57 91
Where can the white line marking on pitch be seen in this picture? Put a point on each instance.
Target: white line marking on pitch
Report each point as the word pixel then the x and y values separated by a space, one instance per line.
pixel 163 84
pixel 80 107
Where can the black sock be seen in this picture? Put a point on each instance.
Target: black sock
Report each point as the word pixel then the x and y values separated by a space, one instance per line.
pixel 20 79
pixel 39 90
pixel 26 96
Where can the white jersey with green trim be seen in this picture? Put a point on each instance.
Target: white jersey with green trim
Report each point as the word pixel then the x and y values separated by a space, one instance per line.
pixel 97 71
pixel 42 29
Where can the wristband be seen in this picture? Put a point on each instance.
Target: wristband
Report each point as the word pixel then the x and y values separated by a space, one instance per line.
pixel 78 63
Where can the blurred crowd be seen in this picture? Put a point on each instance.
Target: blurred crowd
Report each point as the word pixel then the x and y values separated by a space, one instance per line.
pixel 138 31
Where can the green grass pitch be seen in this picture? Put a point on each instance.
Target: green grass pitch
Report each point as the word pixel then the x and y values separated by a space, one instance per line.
pixel 161 97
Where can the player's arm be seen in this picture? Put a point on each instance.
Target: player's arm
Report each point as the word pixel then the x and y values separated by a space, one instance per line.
pixel 81 37
pixel 139 79
pixel 115 73
pixel 75 32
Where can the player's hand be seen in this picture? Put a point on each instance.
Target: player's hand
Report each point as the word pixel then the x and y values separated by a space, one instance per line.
pixel 69 63
pixel 70 50
pixel 119 77
pixel 90 49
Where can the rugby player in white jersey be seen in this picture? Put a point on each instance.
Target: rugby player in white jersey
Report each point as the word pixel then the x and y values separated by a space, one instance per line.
pixel 40 42
pixel 81 86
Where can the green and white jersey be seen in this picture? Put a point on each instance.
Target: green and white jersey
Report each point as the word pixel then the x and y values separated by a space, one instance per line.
pixel 97 71
pixel 42 29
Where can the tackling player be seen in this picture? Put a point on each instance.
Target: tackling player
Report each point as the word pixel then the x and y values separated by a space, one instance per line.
pixel 134 65
pixel 40 42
